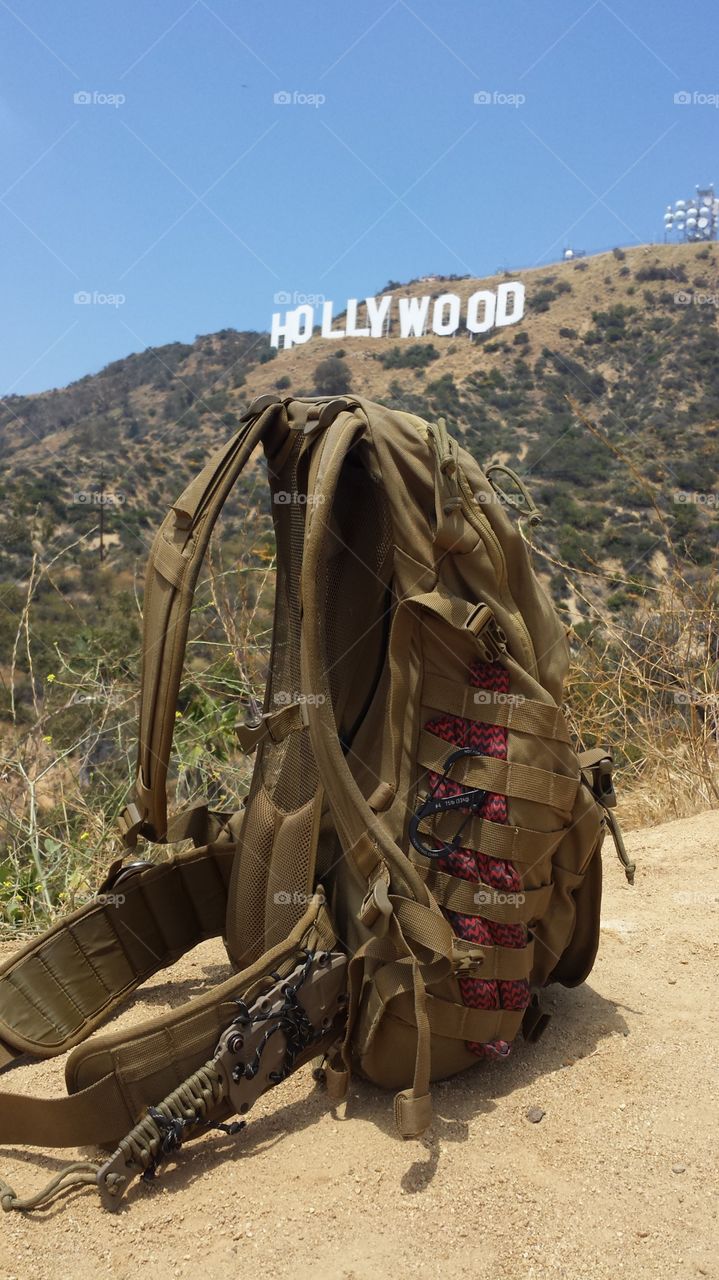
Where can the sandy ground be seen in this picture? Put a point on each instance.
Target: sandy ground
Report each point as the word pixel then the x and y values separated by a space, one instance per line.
pixel 617 1180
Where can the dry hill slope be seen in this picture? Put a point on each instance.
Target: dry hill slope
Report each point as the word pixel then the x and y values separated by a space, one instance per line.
pixel 608 331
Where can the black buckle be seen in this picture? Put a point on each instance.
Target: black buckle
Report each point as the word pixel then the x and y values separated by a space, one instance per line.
pixel 119 871
pixel 472 799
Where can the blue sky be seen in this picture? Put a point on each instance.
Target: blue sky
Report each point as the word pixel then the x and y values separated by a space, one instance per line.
pixel 185 189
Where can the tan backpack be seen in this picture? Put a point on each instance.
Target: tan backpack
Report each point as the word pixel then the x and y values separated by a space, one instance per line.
pixel 419 852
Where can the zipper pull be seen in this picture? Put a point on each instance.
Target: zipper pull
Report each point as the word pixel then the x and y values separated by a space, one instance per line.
pixel 452 531
pixel 526 506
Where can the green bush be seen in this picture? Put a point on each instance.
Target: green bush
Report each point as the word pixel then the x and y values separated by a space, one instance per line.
pixel 416 356
pixel 444 394
pixel 332 377
pixel 656 272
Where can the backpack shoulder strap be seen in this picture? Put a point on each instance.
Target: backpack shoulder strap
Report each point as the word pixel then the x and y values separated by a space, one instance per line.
pixel 173 568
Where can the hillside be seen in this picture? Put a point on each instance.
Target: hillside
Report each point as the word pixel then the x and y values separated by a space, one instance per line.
pixel 606 331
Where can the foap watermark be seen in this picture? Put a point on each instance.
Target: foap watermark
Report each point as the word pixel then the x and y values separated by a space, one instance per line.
pixel 283 698
pixel 285 298
pixel 685 299
pixel 491 697
pixel 108 699
pixel 683 496
pixel 109 899
pixel 98 498
pixel 96 98
pixel 498 898
pixel 86 298
pixel 283 498
pixel 297 98
pixel 695 98
pixel 695 698
pixel 496 98
pixel 696 898
pixel 285 898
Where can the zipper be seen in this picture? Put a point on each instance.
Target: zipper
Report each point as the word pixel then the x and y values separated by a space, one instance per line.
pixel 473 514
pixel 447 461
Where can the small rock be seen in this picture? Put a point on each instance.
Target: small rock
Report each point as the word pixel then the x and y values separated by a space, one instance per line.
pixel 679 1168
pixel 535 1114
pixel 672 982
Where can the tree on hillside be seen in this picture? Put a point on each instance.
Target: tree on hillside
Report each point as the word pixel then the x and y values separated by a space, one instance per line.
pixel 332 377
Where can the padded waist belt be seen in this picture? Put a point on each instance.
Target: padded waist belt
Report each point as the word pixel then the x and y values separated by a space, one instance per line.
pixel 65 983
pixel 112 1078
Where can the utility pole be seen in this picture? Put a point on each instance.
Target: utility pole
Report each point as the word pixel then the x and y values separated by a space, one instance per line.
pixel 102 514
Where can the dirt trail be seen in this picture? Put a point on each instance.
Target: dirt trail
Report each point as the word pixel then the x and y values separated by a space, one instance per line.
pixel 618 1178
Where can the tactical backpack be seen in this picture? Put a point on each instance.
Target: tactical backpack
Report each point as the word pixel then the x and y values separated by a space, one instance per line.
pixel 419 851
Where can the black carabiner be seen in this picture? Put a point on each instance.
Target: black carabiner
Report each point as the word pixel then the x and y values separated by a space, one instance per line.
pixel 472 799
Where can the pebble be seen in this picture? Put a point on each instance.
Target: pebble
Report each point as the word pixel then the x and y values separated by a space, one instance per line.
pixel 535 1114
pixel 679 1168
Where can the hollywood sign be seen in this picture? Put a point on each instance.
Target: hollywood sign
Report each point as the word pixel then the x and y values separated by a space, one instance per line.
pixel 408 317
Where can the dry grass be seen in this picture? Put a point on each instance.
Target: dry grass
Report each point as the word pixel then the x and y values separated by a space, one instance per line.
pixel 648 688
pixel 62 790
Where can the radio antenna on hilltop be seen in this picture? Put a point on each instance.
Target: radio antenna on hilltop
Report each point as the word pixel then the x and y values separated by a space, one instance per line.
pixel 695 219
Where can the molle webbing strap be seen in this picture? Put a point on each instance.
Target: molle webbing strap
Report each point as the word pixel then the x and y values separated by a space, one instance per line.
pixel 471 898
pixel 429 937
pixel 506 777
pixel 65 983
pixel 393 990
pixel 520 845
pixel 522 715
pixel 172 573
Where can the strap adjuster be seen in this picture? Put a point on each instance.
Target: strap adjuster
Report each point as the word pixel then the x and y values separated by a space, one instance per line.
pixel 130 823
pixel 376 903
pixel 597 767
pixel 491 638
pixel 273 724
pixel 467 962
